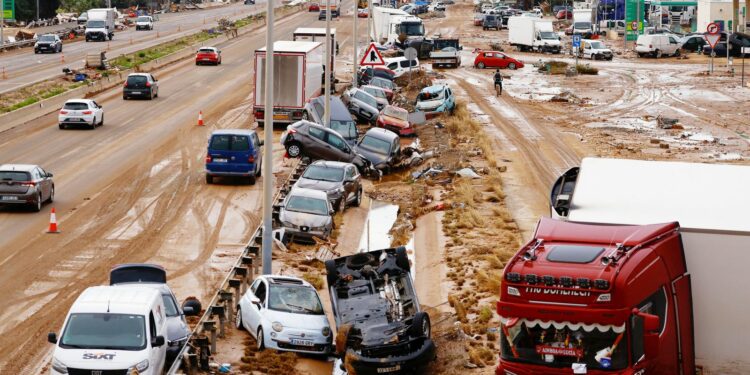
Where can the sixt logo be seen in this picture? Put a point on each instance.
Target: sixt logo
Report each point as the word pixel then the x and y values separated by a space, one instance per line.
pixel 558 292
pixel 106 356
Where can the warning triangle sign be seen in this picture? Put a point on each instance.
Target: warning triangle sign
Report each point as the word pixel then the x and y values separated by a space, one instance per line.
pixel 372 56
pixel 712 39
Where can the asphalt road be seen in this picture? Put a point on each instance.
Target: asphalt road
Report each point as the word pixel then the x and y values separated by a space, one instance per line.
pixel 130 191
pixel 23 67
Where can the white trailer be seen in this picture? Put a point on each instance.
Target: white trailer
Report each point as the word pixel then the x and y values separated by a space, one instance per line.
pixel 318 34
pixel 711 204
pixel 532 34
pixel 100 24
pixel 389 24
pixel 298 77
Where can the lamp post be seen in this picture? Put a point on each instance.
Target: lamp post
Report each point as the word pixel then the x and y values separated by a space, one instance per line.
pixel 268 146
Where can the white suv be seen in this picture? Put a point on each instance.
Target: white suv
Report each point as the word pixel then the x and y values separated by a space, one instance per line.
pixel 81 112
pixel 144 23
pixel 400 65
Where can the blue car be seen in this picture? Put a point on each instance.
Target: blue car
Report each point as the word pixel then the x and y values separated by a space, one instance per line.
pixel 435 100
pixel 233 153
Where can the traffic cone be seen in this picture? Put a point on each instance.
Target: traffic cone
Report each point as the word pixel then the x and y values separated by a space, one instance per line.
pixel 52 222
pixel 200 118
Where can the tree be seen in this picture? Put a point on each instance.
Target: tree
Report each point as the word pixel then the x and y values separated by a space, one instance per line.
pixel 26 9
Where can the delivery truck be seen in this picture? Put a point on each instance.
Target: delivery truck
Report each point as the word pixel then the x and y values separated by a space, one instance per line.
pixel 335 7
pixel 583 21
pixel 389 24
pixel 100 24
pixel 640 271
pixel 298 77
pixel 317 34
pixel 533 34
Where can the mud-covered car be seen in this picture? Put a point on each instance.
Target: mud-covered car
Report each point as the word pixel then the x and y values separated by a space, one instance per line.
pixel 380 326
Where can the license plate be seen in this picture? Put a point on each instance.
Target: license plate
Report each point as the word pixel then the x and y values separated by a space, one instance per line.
pixel 74 119
pixel 389 369
pixel 135 92
pixel 9 198
pixel 220 160
pixel 302 342
pixel 206 59
pixel 282 116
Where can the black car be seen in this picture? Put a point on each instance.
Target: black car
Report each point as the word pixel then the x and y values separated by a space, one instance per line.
pixel 736 42
pixel 142 85
pixel 378 317
pixel 48 43
pixel 322 14
pixel 693 43
pixel 249 2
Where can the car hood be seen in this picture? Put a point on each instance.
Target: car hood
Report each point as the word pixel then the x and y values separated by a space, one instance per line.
pixel 317 184
pixel 394 121
pixel 372 157
pixel 176 328
pixel 305 322
pixel 430 103
pixel 303 218
pixel 96 358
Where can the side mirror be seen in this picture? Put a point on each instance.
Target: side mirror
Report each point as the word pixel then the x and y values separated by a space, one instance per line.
pixel 255 301
pixel 49 174
pixel 331 211
pixel 52 338
pixel 188 311
pixel 157 341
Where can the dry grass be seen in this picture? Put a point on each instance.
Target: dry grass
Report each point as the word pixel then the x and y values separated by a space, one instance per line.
pixel 482 356
pixel 458 306
pixel 489 281
pixel 268 361
pixel 314 279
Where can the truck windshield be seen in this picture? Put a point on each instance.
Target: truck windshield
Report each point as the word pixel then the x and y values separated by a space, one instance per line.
pixel 563 346
pixel 548 35
pixel 582 25
pixel 95 24
pixel 104 331
pixel 412 29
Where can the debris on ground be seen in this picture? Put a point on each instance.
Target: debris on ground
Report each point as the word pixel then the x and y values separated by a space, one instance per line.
pixel 467 173
pixel 668 123
pixel 567 97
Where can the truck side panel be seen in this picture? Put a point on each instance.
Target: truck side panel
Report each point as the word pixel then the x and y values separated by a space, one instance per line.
pixel 286 68
pixel 314 73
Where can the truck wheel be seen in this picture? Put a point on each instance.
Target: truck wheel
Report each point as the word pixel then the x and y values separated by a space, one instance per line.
pixel 480 65
pixel 332 273
pixel 402 260
pixel 420 325
pixel 294 150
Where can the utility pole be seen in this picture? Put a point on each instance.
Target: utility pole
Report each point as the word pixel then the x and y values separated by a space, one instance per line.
pixel 356 43
pixel 268 145
pixel 2 22
pixel 37 10
pixel 369 20
pixel 327 80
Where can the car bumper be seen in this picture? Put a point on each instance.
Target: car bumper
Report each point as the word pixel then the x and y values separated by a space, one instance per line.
pixel 393 364
pixel 77 121
pixel 131 93
pixel 283 341
pixel 299 235
pixel 45 49
pixel 229 174
pixel 18 199
pixel 206 61
pixel 96 36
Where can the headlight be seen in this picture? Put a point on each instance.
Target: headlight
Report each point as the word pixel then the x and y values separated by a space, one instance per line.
pixel 336 191
pixel 59 366
pixel 140 366
pixel 278 327
pixel 326 331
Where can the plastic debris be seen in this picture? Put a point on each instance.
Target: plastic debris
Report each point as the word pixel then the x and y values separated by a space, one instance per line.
pixel 468 173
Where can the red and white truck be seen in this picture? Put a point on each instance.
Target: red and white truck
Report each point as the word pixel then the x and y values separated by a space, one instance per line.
pixel 641 271
pixel 298 77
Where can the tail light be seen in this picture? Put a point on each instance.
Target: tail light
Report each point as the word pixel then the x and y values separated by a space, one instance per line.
pixel 209 159
pixel 297 114
pixel 148 84
pixel 28 183
pixel 63 112
pixel 251 159
pixel 87 112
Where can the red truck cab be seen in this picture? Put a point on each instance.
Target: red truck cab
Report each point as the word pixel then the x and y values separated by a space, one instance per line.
pixel 597 299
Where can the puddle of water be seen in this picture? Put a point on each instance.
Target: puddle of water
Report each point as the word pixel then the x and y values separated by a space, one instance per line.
pixel 700 137
pixel 380 220
pixel 627 123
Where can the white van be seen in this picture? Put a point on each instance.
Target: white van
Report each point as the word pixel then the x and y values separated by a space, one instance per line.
pixel 657 45
pixel 400 65
pixel 112 329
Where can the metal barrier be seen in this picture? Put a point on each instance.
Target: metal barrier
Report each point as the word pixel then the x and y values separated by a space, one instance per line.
pixel 201 343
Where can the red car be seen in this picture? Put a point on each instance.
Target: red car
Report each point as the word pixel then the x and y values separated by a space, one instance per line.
pixel 362 13
pixel 564 14
pixel 478 19
pixel 208 55
pixel 313 7
pixel 494 59
pixel 396 120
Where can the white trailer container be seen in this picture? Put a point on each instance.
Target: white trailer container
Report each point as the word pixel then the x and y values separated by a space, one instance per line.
pixel 389 24
pixel 318 34
pixel 298 77
pixel 711 203
pixel 100 24
pixel 532 34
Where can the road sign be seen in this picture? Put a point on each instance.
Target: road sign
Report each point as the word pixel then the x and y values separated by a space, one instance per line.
pixel 712 28
pixel 576 40
pixel 9 9
pixel 634 25
pixel 410 53
pixel 372 56
pixel 712 39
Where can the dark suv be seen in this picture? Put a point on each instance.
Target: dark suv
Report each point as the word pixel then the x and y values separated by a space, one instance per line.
pixel 142 85
pixel 24 184
pixel 233 153
pixel 48 43
pixel 491 21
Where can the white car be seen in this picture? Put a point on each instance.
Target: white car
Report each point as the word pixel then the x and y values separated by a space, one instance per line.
pixel 77 112
pixel 595 50
pixel 400 65
pixel 657 45
pixel 436 7
pixel 285 313
pixel 144 23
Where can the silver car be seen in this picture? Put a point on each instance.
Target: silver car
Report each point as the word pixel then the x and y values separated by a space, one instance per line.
pixel 305 214
pixel 25 184
pixel 340 181
pixel 362 105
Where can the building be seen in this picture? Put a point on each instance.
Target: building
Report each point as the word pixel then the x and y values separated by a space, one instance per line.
pixel 720 11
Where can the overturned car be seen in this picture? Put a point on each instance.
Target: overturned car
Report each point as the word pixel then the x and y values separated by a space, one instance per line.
pixel 380 325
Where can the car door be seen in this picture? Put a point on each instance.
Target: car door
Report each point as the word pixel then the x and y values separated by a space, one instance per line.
pixel 673 44
pixel 98 111
pixel 318 112
pixel 500 61
pixel 337 147
pixel 351 183
pixel 154 84
pixel 44 182
pixel 316 145
pixel 254 311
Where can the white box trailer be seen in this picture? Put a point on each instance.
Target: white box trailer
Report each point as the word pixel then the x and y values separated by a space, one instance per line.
pixel 298 77
pixel 318 34
pixel 532 34
pixel 711 203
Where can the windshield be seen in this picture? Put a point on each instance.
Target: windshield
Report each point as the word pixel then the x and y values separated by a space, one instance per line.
pixel 376 145
pixel 396 112
pixel 375 92
pixel 47 38
pixel 76 106
pixel 308 205
pixel 170 308
pixel 14 176
pixel 582 25
pixel 423 96
pixel 412 29
pixel 382 82
pixel 598 45
pixel 104 331
pixel 294 299
pixel 206 50
pixel 562 347
pixel 321 173
pixel 347 129
pixel 367 99
pixel 548 35
pixel 143 19
pixel 95 24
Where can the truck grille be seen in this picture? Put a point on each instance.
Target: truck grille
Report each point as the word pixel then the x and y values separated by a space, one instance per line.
pixel 78 371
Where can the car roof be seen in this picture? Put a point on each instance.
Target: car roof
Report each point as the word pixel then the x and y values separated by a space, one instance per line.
pixel 233 132
pixel 309 193
pixel 123 299
pixel 207 47
pixel 17 167
pixel 381 133
pixel 338 108
pixel 434 88
pixel 139 74
pixel 79 101
pixel 331 164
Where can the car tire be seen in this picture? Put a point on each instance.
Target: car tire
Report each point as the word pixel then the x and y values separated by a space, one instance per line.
pixel 209 179
pixel 358 199
pixel 51 194
pixel 193 303
pixel 124 97
pixel 259 340
pixel 480 65
pixel 61 126
pixel 332 274
pixel 641 54
pixel 420 326
pixel 36 52
pixel 677 53
pixel 251 180
pixel 259 171
pixel 657 54
pixel 93 124
pixel 238 320
pixel 37 206
pixel 512 66
pixel 402 260
pixel 294 150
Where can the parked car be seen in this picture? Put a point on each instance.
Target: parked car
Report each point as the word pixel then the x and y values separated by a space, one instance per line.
pixel 322 14
pixel 234 153
pixel 313 7
pixel 142 85
pixel 379 94
pixel 693 43
pixel 366 74
pixel 77 112
pixel 208 55
pixel 48 43
pixel 381 327
pixel 595 50
pixel 155 276
pixel 340 118
pixel 284 313
pixel 478 19
pixel 361 104
pixel 306 214
pixel 436 7
pixel 388 86
pixel 25 184
pixel 308 139
pixel 340 181
pixel 144 23
pixel 401 65
pixel 657 45
pixel 436 99
pixel 249 2
pixel 382 148
pixel 495 59
pixel 409 8
pixel 396 120
pixel 564 15
pixel 491 21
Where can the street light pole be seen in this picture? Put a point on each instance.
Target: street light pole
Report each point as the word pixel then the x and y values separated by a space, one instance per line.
pixel 268 145
pixel 369 20
pixel 356 43
pixel 37 10
pixel 327 81
pixel 2 22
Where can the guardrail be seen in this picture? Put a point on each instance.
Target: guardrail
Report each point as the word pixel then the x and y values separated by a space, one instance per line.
pixel 19 44
pixel 201 343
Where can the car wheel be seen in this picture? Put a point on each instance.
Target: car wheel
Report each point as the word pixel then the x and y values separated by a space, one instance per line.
pixel 38 204
pixel 251 180
pixel 124 97
pixel 480 65
pixel 358 198
pixel 259 339
pixel 331 272
pixel 294 150
pixel 51 194
pixel 209 179
pixel 677 53
pixel 512 66
pixel 238 320
pixel 93 124
pixel 61 126
pixel 657 54
pixel 420 325
pixel 641 54
pixel 36 52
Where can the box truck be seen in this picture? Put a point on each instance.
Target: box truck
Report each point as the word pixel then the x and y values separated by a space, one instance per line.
pixel 317 34
pixel 335 7
pixel 583 21
pixel 640 271
pixel 298 77
pixel 100 24
pixel 389 24
pixel 532 34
